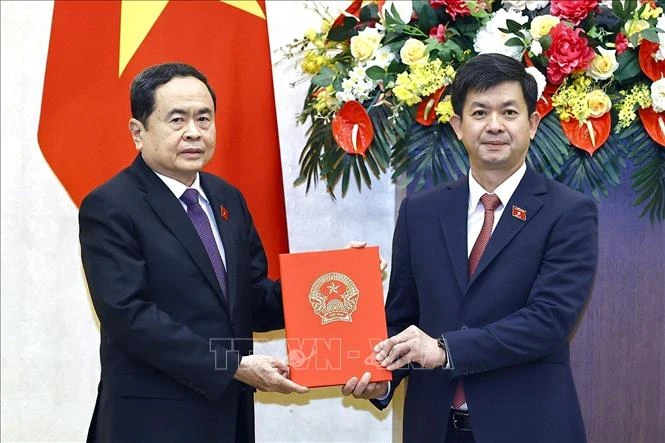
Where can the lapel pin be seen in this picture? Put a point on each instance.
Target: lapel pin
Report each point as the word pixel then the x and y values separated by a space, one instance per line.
pixel 519 213
pixel 224 212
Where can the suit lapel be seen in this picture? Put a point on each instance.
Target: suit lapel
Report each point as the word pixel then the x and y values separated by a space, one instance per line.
pixel 453 213
pixel 527 196
pixel 224 226
pixel 169 210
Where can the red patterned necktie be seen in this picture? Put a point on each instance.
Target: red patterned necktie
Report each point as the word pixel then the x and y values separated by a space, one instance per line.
pixel 490 202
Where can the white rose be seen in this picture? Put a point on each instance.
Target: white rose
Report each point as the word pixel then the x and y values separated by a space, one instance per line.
pixel 414 51
pixel 542 24
pixel 365 43
pixel 603 65
pixel 658 95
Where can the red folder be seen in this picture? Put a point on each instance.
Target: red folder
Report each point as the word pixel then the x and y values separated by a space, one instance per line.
pixel 333 309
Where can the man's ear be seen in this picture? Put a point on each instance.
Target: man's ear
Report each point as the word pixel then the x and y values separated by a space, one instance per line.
pixel 456 123
pixel 137 130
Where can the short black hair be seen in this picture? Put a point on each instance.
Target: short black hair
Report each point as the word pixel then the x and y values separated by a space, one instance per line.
pixel 142 91
pixel 485 71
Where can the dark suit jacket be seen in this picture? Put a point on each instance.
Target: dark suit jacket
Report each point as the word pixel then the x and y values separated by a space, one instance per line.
pixel 508 328
pixel 170 343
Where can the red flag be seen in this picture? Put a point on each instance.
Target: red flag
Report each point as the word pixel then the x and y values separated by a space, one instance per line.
pixel 85 106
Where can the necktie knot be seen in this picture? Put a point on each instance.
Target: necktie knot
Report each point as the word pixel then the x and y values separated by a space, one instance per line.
pixel 490 202
pixel 190 197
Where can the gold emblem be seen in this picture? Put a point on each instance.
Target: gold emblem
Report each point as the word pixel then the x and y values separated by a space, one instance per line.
pixel 334 297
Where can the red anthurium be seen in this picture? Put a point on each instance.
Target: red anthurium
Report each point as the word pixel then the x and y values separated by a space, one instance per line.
pixel 590 136
pixel 352 128
pixel 544 105
pixel 654 123
pixel 427 109
pixel 652 68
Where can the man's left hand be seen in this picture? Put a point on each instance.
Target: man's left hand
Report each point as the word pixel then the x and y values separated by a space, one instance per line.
pixel 410 346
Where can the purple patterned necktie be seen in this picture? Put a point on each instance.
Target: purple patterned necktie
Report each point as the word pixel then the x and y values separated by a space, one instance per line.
pixel 202 224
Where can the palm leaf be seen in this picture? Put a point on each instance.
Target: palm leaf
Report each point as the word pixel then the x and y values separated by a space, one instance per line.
pixel 550 149
pixel 431 153
pixel 649 176
pixel 595 174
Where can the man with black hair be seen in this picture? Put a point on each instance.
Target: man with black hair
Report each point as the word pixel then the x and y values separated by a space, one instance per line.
pixel 177 276
pixel 489 276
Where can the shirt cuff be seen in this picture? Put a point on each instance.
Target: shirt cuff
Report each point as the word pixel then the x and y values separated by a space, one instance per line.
pixel 386 395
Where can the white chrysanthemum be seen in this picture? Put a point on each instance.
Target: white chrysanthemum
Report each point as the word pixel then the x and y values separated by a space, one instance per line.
pixel 541 81
pixel 660 24
pixel 490 40
pixel 357 86
pixel 520 5
pixel 658 95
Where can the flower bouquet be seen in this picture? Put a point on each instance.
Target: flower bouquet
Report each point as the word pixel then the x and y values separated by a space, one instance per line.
pixel 377 90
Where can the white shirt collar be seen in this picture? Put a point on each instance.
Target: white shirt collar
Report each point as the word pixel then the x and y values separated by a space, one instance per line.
pixel 178 188
pixel 504 191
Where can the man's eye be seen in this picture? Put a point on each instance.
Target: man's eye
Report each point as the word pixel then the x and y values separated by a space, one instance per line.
pixel 511 112
pixel 478 113
pixel 176 120
pixel 204 118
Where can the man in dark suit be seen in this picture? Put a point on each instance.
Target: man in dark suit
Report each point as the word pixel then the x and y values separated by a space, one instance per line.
pixel 177 276
pixel 489 276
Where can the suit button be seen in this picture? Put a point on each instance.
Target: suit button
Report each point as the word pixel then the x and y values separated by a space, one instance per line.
pixel 464 327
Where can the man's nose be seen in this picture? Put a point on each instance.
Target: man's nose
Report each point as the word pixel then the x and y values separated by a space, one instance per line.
pixel 192 131
pixel 494 123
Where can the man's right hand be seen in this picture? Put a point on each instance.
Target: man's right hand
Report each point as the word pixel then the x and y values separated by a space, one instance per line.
pixel 363 388
pixel 267 373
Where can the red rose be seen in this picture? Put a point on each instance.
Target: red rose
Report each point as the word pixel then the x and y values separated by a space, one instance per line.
pixel 568 53
pixel 572 10
pixel 621 42
pixel 438 32
pixel 455 7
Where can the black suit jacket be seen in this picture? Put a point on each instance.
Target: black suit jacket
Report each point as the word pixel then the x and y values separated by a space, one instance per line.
pixel 170 341
pixel 508 326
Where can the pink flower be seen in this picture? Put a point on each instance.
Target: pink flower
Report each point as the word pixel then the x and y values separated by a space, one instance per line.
pixel 455 7
pixel 621 42
pixel 438 32
pixel 572 10
pixel 568 53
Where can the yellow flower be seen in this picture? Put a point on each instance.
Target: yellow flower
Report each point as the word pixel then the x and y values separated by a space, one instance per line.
pixel 413 52
pixel 603 65
pixel 542 24
pixel 598 102
pixel 445 110
pixel 650 12
pixel 365 43
pixel 310 34
pixel 634 26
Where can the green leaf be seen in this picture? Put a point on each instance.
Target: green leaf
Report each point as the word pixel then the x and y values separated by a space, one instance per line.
pixel 617 9
pixel 513 26
pixel 629 66
pixel 650 34
pixel 345 31
pixel 514 41
pixel 323 78
pixel 369 12
pixel 376 73
pixel 427 18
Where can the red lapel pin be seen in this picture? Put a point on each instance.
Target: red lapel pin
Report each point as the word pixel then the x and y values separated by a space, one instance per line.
pixel 519 213
pixel 224 212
